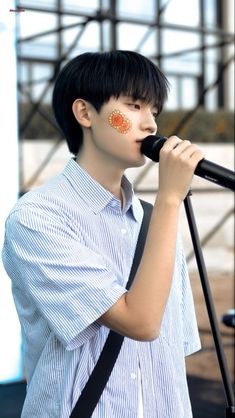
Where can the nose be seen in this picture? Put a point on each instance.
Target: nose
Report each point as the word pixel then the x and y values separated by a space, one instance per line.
pixel 149 124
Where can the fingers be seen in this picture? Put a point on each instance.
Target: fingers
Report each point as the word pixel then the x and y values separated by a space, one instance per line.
pixel 171 143
pixel 178 161
pixel 183 151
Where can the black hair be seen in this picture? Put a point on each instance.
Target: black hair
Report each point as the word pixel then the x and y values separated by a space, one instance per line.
pixel 96 77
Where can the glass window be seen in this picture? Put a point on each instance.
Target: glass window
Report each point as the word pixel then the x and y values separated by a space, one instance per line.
pixel 42 72
pixel 138 8
pixel 187 64
pixel 211 96
pixel 134 38
pixel 210 13
pixel 31 23
pixel 43 47
pixel 183 92
pixel 70 34
pixel 47 4
pixel 38 89
pixel 106 28
pixel 183 12
pixel 176 40
pixel 82 5
pixel 89 40
pixel 212 53
pixel 212 58
pixel 188 92
pixel 174 43
pixel 172 103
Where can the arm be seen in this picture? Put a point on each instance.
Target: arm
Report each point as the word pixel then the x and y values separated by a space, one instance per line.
pixel 138 313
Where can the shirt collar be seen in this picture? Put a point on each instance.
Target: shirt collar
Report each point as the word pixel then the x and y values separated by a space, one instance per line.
pixel 95 195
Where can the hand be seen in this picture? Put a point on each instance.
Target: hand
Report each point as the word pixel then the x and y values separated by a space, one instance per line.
pixel 178 160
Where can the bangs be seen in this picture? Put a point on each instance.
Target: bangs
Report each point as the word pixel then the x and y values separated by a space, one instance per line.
pixel 123 73
pixel 139 79
pixel 96 77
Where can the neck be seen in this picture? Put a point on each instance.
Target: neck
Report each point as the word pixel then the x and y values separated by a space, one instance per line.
pixel 104 172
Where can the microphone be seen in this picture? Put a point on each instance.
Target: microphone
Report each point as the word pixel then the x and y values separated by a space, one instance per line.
pixel 152 145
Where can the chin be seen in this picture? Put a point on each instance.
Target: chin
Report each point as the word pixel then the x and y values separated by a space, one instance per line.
pixel 137 162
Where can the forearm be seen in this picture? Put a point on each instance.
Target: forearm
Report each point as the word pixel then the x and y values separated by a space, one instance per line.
pixel 138 313
pixel 148 295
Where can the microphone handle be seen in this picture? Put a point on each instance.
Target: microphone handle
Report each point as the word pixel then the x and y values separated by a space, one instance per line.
pixel 216 173
pixel 205 169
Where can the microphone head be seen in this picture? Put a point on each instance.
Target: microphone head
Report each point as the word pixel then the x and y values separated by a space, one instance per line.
pixel 151 146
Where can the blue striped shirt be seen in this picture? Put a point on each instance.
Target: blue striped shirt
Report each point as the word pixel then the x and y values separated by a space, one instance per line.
pixel 68 250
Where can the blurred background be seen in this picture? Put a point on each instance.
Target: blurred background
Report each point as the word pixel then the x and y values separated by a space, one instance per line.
pixel 193 43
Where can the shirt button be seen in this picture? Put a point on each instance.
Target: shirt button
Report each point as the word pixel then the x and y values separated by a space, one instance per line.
pixel 123 231
pixel 133 376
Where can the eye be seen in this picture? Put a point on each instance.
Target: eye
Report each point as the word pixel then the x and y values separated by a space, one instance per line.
pixel 155 115
pixel 134 105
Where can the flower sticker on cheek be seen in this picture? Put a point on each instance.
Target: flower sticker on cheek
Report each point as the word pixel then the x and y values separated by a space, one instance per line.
pixel 119 122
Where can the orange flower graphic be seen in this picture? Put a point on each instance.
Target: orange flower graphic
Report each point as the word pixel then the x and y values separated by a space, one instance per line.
pixel 125 126
pixel 116 119
pixel 119 122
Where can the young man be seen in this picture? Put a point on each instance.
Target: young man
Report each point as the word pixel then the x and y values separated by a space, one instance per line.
pixel 69 247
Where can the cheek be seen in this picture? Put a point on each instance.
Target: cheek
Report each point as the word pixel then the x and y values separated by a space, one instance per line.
pixel 119 121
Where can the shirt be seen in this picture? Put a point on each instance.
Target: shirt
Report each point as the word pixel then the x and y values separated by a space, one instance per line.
pixel 68 250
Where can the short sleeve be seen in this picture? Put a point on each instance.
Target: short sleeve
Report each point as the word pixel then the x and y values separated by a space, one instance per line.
pixel 67 282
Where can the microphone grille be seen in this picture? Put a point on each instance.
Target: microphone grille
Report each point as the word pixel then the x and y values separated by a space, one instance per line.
pixel 151 146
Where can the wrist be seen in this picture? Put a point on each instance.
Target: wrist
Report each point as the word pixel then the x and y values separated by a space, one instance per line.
pixel 168 200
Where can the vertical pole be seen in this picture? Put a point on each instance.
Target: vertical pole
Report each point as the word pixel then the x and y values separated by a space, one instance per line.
pixel 113 29
pixel 228 26
pixel 101 31
pixel 221 60
pixel 159 33
pixel 230 408
pixel 10 347
pixel 59 31
pixel 201 81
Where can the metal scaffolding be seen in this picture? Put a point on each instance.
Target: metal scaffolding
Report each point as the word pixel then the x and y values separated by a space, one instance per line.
pixel 107 15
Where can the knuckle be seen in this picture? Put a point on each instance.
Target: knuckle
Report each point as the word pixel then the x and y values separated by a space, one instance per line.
pixel 191 164
pixel 174 137
pixel 198 154
pixel 182 158
pixel 165 149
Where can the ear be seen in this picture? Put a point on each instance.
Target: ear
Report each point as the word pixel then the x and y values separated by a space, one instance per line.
pixel 81 112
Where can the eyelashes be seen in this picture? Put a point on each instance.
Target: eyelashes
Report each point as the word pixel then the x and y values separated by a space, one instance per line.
pixel 138 107
pixel 155 115
pixel 119 122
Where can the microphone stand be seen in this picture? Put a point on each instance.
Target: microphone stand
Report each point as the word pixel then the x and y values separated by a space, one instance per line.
pixel 230 408
pixel 226 178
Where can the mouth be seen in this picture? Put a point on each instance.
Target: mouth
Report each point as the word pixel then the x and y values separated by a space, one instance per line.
pixel 140 143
